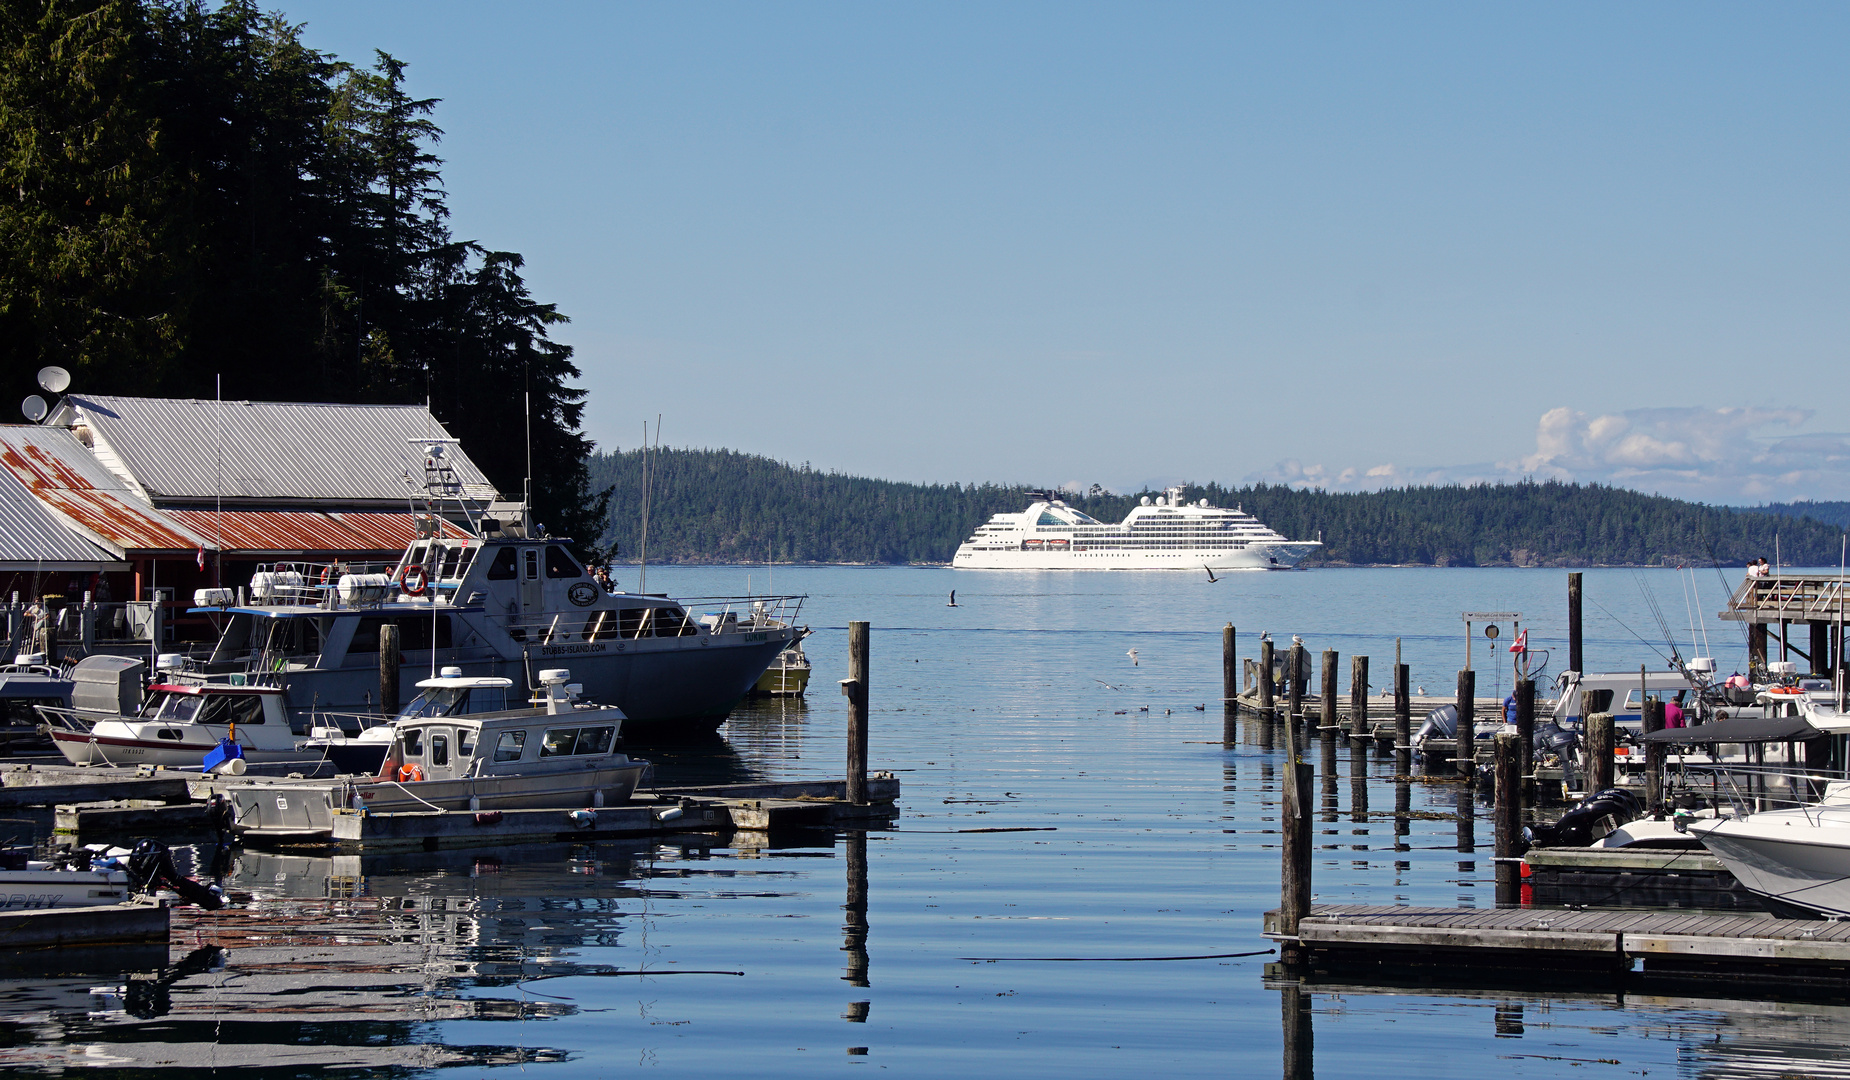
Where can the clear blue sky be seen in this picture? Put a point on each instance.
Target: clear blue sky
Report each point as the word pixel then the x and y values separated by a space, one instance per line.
pixel 1125 243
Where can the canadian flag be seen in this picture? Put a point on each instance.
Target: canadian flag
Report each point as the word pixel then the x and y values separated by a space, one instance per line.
pixel 1521 644
pixel 199 557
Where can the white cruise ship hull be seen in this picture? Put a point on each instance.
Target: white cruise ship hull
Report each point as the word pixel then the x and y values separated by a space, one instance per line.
pixel 1282 556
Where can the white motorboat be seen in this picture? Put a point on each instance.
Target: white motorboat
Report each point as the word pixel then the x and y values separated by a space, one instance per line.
pixel 563 756
pixel 41 886
pixel 1163 533
pixel 178 725
pixel 449 694
pixel 1798 856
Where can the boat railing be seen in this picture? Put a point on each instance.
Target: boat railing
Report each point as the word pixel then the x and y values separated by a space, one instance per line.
pixel 747 612
pixel 1751 787
pixel 718 614
pixel 287 583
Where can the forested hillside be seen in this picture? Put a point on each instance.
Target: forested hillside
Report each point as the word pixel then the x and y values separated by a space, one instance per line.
pixel 189 192
pixel 1829 513
pixel 725 506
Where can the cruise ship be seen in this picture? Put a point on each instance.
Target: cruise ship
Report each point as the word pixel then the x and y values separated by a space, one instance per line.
pixel 1164 533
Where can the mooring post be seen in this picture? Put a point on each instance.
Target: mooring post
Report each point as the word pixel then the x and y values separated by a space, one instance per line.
pixel 1573 622
pixel 1403 718
pixel 388 668
pixel 1509 770
pixel 1525 730
pixel 1358 696
pixel 854 688
pixel 1294 686
pixel 1598 728
pixel 1294 853
pixel 1654 759
pixel 1327 692
pixel 1466 739
pixel 1266 710
pixel 854 920
pixel 1229 670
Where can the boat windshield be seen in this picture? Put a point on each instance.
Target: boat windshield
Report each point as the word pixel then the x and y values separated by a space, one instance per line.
pixel 178 707
pixel 455 701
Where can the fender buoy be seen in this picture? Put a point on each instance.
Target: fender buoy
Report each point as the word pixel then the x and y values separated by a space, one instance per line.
pixel 410 774
pixel 414 581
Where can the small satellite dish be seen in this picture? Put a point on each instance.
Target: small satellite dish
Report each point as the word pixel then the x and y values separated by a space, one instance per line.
pixel 1491 631
pixel 35 408
pixel 54 380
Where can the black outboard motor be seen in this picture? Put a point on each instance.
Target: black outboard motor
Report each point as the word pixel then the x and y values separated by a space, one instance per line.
pixel 150 866
pixel 1441 723
pixel 1552 738
pixel 1601 812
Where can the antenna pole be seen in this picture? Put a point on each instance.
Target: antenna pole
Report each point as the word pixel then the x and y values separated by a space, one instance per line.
pixel 218 486
pixel 526 495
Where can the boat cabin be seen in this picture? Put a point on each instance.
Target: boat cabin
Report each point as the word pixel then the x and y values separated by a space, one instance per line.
pixel 455 695
pixel 215 704
pixel 452 747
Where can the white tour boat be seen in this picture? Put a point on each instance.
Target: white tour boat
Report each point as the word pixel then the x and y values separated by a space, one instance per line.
pixel 1163 533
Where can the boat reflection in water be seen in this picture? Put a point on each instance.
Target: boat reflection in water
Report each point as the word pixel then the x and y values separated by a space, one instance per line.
pixel 349 961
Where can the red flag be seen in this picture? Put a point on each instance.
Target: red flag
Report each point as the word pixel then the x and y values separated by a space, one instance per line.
pixel 1521 644
pixel 199 557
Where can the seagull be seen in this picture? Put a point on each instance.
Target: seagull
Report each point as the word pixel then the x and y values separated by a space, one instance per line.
pixel 1132 653
pixel 1211 577
pixel 1421 690
pixel 1107 685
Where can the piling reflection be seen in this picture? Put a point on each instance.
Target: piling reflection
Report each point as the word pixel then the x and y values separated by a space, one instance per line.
pixel 1327 766
pixel 1358 786
pixel 1403 813
pixel 1299 1043
pixel 854 920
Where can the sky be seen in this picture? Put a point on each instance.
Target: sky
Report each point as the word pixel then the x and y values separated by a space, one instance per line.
pixel 1342 245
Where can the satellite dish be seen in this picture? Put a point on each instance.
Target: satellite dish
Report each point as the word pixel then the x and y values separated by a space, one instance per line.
pixel 35 408
pixel 54 380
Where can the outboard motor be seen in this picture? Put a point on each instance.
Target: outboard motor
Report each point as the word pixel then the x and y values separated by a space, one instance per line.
pixel 1552 738
pixel 1597 815
pixel 1441 723
pixel 150 866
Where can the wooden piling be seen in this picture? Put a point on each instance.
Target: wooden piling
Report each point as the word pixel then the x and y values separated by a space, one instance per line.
pixel 1525 730
pixel 1229 668
pixel 1294 860
pixel 1820 647
pixel 1403 718
pixel 389 656
pixel 1509 771
pixel 856 689
pixel 1466 738
pixel 1598 730
pixel 1265 679
pixel 1294 686
pixel 1573 623
pixel 1326 691
pixel 1654 758
pixel 854 919
pixel 1756 647
pixel 1358 696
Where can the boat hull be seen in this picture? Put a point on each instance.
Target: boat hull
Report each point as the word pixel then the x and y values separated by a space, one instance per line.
pixel 113 743
pixel 1279 556
pixel 39 890
pixel 303 812
pixel 1794 857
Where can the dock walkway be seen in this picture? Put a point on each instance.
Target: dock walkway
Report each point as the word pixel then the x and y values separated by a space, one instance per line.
pixel 1751 947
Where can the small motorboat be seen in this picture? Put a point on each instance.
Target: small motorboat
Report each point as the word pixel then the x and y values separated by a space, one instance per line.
pixel 451 693
pixel 562 756
pixel 788 675
pixel 179 724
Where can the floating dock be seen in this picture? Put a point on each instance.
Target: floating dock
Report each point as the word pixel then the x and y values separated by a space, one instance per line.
pixel 81 927
pixel 1611 943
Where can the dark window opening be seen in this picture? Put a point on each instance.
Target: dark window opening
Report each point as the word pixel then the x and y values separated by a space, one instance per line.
pixel 503 568
pixel 559 563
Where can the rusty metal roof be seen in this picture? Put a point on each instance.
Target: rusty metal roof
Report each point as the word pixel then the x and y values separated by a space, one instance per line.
pixel 265 451
pixel 288 532
pixel 32 536
pixel 63 475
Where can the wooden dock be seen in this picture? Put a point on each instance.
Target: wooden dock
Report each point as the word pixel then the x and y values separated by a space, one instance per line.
pixel 1611 943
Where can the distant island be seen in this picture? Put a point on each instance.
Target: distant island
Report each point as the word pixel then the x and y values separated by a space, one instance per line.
pixel 723 506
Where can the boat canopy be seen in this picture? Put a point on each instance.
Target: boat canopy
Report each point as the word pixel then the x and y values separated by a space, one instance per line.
pixel 1741 729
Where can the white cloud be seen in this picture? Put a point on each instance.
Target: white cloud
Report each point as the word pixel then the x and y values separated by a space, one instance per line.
pixel 1727 455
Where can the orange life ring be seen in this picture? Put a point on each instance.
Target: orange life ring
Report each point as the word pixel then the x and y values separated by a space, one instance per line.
pixel 327 572
pixel 414 580
pixel 411 773
pixel 1785 690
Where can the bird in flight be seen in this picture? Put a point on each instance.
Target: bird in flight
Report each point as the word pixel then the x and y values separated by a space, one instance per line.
pixel 1132 653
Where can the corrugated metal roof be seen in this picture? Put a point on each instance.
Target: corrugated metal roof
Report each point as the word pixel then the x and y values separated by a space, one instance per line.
pixel 32 535
pixel 278 532
pixel 271 451
pixel 62 473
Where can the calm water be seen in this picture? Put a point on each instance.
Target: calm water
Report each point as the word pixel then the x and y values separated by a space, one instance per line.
pixel 982 953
